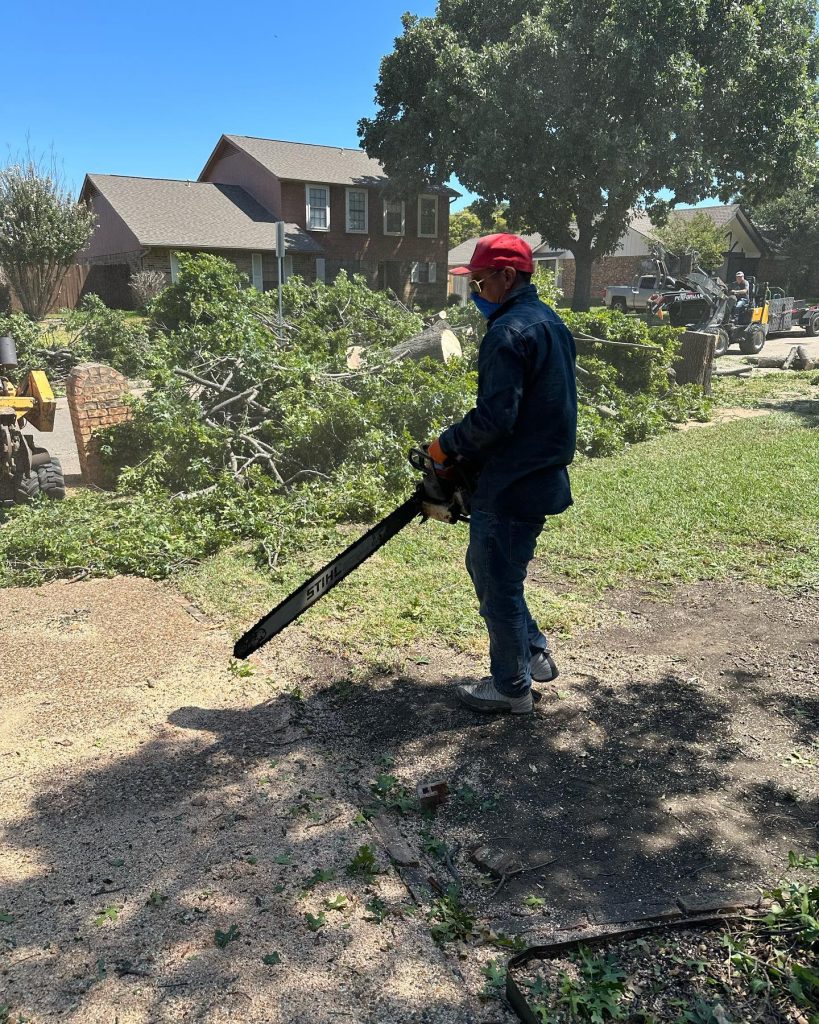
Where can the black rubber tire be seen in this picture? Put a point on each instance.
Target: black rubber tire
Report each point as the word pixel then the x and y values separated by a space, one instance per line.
pixel 619 303
pixel 722 344
pixel 52 482
pixel 812 326
pixel 752 341
pixel 26 488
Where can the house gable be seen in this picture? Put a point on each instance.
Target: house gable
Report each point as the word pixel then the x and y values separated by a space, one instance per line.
pixel 230 165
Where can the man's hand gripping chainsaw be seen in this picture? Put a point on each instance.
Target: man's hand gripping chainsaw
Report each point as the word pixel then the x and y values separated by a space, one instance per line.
pixel 445 489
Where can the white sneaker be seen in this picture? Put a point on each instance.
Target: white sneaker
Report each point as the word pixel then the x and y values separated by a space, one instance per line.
pixel 543 668
pixel 482 696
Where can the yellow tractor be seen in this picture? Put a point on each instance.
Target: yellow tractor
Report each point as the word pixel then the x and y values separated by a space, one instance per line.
pixel 25 469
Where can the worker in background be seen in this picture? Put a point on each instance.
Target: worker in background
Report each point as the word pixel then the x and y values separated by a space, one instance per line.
pixel 741 291
pixel 521 437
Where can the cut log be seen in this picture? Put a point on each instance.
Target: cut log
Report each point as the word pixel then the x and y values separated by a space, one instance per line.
pixel 767 362
pixel 798 358
pixel 696 359
pixel 435 342
pixel 735 372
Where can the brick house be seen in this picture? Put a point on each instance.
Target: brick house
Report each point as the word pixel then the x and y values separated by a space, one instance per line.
pixel 336 204
pixel 745 249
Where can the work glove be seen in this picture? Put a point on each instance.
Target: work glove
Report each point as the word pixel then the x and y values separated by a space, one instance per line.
pixel 437 453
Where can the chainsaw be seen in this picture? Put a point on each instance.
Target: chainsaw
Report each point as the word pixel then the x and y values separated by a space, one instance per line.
pixel 444 493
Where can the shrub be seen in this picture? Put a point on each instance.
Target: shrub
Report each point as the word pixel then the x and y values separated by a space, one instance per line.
pixel 146 285
pixel 339 439
pixel 111 337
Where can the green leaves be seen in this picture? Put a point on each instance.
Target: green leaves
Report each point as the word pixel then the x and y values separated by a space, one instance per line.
pixel 42 228
pixel 598 110
pixel 364 863
pixel 108 914
pixel 271 959
pixel 315 921
pixel 223 939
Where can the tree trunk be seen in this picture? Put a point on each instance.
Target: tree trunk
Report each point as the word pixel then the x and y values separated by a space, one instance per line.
pixel 436 341
pixel 581 300
pixel 696 359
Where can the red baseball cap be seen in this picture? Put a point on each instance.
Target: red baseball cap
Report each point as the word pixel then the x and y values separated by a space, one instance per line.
pixel 495 251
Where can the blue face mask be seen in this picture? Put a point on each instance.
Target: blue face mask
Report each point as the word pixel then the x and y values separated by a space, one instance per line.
pixel 485 307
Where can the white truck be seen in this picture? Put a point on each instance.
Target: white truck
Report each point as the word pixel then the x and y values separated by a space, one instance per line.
pixel 633 296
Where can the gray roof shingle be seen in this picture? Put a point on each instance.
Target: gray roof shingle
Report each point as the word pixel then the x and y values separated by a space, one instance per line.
pixel 302 161
pixel 195 215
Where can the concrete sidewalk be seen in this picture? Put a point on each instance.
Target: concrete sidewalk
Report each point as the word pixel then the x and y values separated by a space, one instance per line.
pixel 61 442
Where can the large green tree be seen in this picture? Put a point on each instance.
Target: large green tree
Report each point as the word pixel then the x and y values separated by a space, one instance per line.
pixel 791 221
pixel 578 113
pixel 42 229
pixel 479 218
pixel 697 234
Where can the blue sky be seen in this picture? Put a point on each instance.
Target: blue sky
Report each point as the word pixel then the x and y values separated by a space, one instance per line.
pixel 147 88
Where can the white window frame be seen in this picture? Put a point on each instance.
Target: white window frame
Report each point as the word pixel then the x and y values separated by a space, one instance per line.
pixel 421 198
pixel 257 273
pixel 366 228
pixel 174 267
pixel 308 207
pixel 431 272
pixel 387 202
pixel 321 269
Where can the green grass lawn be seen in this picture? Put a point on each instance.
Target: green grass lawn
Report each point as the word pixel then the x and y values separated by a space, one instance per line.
pixel 739 499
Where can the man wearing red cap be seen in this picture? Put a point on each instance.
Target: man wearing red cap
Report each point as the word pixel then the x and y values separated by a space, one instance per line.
pixel 521 437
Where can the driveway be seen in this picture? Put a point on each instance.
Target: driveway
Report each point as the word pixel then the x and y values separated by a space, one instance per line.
pixel 781 344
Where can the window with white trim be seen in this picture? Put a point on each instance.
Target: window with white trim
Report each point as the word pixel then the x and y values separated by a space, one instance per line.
pixel 357 211
pixel 394 216
pixel 427 216
pixel 321 268
pixel 256 263
pixel 424 273
pixel 174 267
pixel 318 207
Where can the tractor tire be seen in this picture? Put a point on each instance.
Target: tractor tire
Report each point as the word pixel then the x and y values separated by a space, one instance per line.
pixel 26 488
pixel 51 480
pixel 812 326
pixel 752 341
pixel 619 303
pixel 722 343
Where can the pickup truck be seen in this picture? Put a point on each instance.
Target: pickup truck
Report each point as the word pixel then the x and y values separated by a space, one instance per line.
pixel 634 296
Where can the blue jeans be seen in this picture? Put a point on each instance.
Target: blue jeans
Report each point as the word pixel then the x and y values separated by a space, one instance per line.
pixel 499 552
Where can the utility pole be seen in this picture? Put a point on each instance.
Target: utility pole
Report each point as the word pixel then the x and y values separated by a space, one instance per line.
pixel 280 257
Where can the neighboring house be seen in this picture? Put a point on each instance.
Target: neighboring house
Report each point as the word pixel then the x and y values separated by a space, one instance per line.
pixel 745 249
pixel 335 203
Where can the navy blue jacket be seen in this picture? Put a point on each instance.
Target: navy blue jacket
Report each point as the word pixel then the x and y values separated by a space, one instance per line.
pixel 522 432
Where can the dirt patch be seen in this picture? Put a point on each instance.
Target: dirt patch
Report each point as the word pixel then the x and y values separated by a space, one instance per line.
pixel 719 416
pixel 152 797
pixel 676 754
pixel 168 826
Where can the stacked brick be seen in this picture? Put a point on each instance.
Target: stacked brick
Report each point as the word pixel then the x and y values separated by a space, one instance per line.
pixel 96 399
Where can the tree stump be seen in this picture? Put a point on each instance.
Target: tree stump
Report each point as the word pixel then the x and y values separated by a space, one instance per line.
pixel 434 342
pixel 696 359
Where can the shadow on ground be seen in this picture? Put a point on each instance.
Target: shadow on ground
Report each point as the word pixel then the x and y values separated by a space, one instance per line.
pixel 658 765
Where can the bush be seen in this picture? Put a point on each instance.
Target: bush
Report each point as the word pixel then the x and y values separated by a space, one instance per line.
pixel 338 438
pixel 146 285
pixel 112 337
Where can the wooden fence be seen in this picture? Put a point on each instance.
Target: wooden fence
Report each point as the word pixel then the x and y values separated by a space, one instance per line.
pixel 109 281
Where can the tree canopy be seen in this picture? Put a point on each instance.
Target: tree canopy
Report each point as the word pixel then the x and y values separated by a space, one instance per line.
pixel 792 223
pixel 479 218
pixel 577 114
pixel 695 234
pixel 42 229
